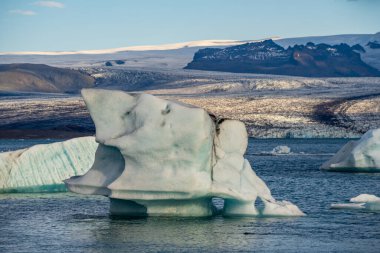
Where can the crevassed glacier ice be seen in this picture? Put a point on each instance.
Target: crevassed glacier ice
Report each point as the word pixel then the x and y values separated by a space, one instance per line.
pixel 158 157
pixel 363 201
pixel 42 168
pixel 358 156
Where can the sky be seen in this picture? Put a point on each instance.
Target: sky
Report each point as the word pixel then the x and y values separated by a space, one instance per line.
pixel 31 25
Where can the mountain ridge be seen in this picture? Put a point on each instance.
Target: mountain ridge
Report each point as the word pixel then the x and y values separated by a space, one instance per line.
pixel 42 78
pixel 268 57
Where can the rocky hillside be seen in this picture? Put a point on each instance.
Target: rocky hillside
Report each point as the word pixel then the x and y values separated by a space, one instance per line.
pixel 267 57
pixel 42 78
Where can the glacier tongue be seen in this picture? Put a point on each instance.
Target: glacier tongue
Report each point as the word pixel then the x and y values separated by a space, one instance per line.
pixel 42 168
pixel 158 157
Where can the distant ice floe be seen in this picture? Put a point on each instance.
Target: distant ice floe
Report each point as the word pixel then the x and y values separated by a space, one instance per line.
pixel 278 150
pixel 363 201
pixel 283 150
pixel 358 156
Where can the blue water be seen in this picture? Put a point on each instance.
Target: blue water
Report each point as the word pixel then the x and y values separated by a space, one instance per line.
pixel 65 222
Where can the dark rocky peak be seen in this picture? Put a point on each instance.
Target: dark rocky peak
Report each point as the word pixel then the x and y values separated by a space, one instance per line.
pixel 323 49
pixel 267 57
pixel 358 48
pixel 249 51
pixel 310 45
pixel 256 46
pixel 206 52
pixel 373 44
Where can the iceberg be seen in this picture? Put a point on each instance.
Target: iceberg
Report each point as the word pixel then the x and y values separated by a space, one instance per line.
pixel 42 168
pixel 363 201
pixel 364 198
pixel 280 150
pixel 164 158
pixel 358 156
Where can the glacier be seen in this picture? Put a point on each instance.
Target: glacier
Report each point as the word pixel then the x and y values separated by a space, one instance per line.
pixel 365 202
pixel 358 156
pixel 164 158
pixel 42 168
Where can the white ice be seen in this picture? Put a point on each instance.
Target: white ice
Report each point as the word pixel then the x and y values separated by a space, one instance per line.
pixel 364 198
pixel 363 201
pixel 158 157
pixel 280 150
pixel 358 156
pixel 348 206
pixel 42 168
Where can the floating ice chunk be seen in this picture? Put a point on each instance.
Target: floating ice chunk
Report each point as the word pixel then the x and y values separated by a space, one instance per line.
pixel 363 198
pixel 281 208
pixel 280 150
pixel 358 156
pixel 42 168
pixel 362 201
pixel 158 157
pixel 348 206
pixel 373 206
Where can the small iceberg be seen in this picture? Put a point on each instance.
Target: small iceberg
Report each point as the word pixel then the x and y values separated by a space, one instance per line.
pixel 278 150
pixel 281 150
pixel 363 201
pixel 357 156
pixel 364 198
pixel 348 206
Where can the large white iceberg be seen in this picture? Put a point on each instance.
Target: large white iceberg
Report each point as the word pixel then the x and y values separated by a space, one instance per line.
pixel 358 156
pixel 158 157
pixel 366 202
pixel 42 168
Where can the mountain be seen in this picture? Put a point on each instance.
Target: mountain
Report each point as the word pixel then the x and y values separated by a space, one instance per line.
pixel 177 55
pixel 42 78
pixel 371 55
pixel 267 57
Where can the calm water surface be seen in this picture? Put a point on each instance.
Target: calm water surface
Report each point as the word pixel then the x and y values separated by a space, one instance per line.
pixel 65 222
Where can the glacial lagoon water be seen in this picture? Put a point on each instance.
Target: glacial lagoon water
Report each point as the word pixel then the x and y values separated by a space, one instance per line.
pixel 65 222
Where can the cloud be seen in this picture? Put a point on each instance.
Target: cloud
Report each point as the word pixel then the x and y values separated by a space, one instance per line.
pixel 23 12
pixel 50 4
